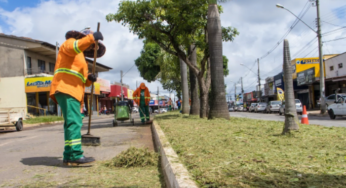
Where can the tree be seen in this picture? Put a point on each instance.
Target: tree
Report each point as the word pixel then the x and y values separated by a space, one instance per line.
pixel 218 108
pixel 146 63
pixel 185 88
pixel 195 105
pixel 174 26
pixel 291 120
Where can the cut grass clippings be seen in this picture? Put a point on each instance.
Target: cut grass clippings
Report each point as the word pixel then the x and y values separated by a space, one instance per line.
pixel 43 119
pixel 105 173
pixel 244 152
pixel 134 157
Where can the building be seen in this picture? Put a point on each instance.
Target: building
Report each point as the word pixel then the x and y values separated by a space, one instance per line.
pixel 335 74
pixel 27 69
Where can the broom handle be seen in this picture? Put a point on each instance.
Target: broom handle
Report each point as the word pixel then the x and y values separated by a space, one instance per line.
pixel 92 85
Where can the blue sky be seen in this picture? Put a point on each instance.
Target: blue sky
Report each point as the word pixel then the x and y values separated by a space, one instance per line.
pixel 260 30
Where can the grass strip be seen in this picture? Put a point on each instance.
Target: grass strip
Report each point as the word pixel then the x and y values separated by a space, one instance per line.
pixel 244 152
pixel 43 119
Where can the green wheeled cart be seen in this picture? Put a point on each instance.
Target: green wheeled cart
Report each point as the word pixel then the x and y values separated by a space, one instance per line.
pixel 122 113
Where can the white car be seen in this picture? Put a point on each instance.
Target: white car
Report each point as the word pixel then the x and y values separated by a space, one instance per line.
pixel 260 107
pixel 252 107
pixel 332 98
pixel 338 108
pixel 299 107
pixel 273 106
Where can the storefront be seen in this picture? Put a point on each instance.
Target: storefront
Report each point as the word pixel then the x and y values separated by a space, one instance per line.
pixel 37 96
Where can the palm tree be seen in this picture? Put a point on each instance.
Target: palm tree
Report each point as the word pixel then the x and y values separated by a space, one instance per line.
pixel 184 87
pixel 218 108
pixel 195 105
pixel 291 120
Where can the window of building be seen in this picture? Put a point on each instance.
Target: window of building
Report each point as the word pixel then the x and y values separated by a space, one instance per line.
pixel 340 65
pixel 331 68
pixel 28 65
pixel 41 66
pixel 51 67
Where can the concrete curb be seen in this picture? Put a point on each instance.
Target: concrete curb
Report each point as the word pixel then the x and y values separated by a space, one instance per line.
pixel 175 173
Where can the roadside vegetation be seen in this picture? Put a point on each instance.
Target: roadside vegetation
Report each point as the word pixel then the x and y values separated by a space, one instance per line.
pixel 42 119
pixel 253 153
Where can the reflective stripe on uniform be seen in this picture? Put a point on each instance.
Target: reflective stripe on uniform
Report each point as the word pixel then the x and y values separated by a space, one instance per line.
pixel 75 47
pixel 72 72
pixel 73 142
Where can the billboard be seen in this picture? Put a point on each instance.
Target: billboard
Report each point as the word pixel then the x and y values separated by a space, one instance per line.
pixel 130 94
pixel 105 85
pixel 306 77
pixel 96 89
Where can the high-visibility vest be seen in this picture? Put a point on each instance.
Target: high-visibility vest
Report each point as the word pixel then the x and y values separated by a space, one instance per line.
pixel 71 69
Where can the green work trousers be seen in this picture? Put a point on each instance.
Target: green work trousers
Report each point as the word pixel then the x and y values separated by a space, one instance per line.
pixel 72 126
pixel 144 110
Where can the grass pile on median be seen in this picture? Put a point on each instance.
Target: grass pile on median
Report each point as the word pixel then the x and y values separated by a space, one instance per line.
pixel 251 153
pixel 43 119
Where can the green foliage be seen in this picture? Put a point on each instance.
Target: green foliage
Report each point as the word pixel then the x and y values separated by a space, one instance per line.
pixel 146 63
pixel 225 66
pixel 43 119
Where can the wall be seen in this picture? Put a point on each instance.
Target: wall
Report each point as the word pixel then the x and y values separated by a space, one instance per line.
pixel 11 62
pixel 337 72
pixel 12 93
pixel 34 61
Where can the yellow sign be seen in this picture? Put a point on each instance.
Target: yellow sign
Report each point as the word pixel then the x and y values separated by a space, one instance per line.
pixel 302 64
pixel 37 84
pixel 281 94
pixel 96 89
pixel 130 94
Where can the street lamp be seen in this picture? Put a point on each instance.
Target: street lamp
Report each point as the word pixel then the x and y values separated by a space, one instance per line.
pixel 318 33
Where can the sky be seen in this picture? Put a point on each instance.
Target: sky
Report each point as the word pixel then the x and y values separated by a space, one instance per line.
pixel 262 27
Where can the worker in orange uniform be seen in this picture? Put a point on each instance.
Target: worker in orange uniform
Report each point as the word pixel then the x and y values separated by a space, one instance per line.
pixel 142 97
pixel 67 88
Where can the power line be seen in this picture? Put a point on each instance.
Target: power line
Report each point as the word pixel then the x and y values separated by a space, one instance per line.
pixel 302 49
pixel 331 23
pixel 129 69
pixel 328 33
pixel 334 39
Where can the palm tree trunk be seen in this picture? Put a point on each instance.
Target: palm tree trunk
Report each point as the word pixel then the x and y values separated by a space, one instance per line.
pixel 195 106
pixel 218 108
pixel 291 120
pixel 184 88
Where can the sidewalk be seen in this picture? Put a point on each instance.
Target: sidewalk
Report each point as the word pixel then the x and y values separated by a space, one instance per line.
pixel 316 113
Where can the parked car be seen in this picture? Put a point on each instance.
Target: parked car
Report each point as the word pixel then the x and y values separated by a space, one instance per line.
pixel 252 107
pixel 299 107
pixel 134 109
pixel 240 107
pixel 260 107
pixel 273 106
pixel 231 109
pixel 338 108
pixel 331 98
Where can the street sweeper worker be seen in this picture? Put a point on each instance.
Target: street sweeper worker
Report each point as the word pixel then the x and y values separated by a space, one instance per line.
pixel 67 88
pixel 142 97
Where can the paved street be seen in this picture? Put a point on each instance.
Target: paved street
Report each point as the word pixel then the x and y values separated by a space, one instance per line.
pixel 38 150
pixel 325 120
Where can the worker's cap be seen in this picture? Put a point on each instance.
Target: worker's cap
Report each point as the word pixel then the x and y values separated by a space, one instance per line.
pixel 80 34
pixel 142 86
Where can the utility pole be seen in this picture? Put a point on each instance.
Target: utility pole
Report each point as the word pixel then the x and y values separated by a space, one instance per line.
pixel 235 92
pixel 259 81
pixel 121 81
pixel 322 104
pixel 242 90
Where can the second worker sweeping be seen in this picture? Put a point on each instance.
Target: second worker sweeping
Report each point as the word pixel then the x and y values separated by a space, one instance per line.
pixel 142 97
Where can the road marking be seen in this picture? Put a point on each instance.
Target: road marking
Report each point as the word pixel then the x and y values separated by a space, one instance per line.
pixel 18 140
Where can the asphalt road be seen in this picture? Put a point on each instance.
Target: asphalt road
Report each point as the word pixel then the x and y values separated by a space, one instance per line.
pixel 316 120
pixel 38 150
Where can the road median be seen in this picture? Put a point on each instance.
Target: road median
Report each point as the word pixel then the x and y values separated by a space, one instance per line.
pixel 244 152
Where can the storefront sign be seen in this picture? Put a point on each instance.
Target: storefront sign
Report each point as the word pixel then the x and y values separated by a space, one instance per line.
pixel 278 82
pixel 302 64
pixel 130 94
pixel 306 77
pixel 105 85
pixel 37 84
pixel 96 89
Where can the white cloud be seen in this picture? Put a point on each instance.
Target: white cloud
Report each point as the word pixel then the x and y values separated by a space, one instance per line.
pixel 260 23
